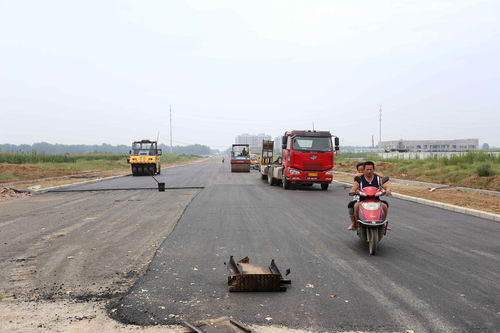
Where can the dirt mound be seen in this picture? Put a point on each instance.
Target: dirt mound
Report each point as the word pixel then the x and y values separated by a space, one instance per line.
pixel 475 181
pixel 7 193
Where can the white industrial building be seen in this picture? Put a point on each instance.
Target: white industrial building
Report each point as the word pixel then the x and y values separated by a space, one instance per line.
pixel 431 145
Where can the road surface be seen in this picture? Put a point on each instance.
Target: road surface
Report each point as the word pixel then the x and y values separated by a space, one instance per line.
pixel 436 271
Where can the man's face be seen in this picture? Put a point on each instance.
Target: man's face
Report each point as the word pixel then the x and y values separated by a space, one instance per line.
pixel 369 170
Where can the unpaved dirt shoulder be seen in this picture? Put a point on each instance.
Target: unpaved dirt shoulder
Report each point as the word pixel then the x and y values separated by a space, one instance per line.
pixel 65 316
pixel 82 317
pixel 83 245
pixel 483 202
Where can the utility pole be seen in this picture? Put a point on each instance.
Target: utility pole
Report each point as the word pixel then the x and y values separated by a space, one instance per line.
pixel 171 147
pixel 380 124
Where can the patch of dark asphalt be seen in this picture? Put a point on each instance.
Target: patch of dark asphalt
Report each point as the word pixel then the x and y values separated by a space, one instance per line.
pixel 415 282
pixel 117 298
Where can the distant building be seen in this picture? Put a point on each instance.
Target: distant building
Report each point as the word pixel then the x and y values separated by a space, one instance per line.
pixel 255 141
pixel 430 145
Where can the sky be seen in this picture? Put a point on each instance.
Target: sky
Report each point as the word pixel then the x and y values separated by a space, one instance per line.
pixel 91 72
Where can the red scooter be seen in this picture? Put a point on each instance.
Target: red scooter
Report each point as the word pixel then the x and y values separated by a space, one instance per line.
pixel 372 222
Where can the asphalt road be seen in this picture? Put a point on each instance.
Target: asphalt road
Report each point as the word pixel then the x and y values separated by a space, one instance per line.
pixel 436 271
pixel 191 175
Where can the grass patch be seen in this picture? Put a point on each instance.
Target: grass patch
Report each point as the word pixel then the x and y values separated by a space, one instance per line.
pixel 33 158
pixel 6 177
pixel 170 158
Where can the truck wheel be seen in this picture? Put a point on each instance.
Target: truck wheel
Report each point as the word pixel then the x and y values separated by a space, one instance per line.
pixel 134 171
pixel 324 187
pixel 285 182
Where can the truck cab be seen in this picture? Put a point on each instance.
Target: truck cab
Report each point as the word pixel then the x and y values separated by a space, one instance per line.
pixel 307 158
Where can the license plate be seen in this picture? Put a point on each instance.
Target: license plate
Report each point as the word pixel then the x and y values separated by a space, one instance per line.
pixel 312 174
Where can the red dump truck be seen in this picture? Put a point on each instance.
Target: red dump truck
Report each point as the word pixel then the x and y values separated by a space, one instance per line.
pixel 307 158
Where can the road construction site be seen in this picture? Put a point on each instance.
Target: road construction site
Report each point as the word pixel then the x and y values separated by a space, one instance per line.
pixel 148 258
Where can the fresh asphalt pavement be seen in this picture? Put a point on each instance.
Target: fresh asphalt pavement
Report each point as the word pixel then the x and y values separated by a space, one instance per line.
pixel 191 175
pixel 436 271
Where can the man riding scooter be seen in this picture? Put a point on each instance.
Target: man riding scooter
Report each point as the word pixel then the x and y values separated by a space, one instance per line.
pixel 369 178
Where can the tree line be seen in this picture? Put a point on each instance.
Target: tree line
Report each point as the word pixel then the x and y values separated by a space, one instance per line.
pixel 48 148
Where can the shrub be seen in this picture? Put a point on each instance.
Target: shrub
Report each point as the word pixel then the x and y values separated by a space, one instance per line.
pixel 484 170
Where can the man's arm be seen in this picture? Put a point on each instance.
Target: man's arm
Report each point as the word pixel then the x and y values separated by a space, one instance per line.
pixel 354 188
pixel 386 189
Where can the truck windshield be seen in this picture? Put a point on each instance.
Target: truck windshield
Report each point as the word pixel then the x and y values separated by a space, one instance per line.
pixel 140 145
pixel 239 151
pixel 144 149
pixel 145 152
pixel 312 144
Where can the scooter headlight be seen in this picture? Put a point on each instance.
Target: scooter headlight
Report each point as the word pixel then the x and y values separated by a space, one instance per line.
pixel 370 205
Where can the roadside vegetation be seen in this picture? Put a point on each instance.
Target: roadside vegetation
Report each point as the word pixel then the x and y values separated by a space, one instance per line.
pixel 474 169
pixel 174 157
pixel 15 166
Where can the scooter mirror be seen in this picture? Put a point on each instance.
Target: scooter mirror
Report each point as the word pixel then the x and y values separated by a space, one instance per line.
pixel 385 179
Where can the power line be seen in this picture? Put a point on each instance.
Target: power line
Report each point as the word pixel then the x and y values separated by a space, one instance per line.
pixel 171 147
pixel 380 124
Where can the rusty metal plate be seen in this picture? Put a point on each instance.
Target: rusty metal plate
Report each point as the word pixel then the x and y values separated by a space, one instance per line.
pixel 244 276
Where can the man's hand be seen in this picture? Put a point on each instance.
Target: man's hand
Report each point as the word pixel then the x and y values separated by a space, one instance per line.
pixel 354 188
